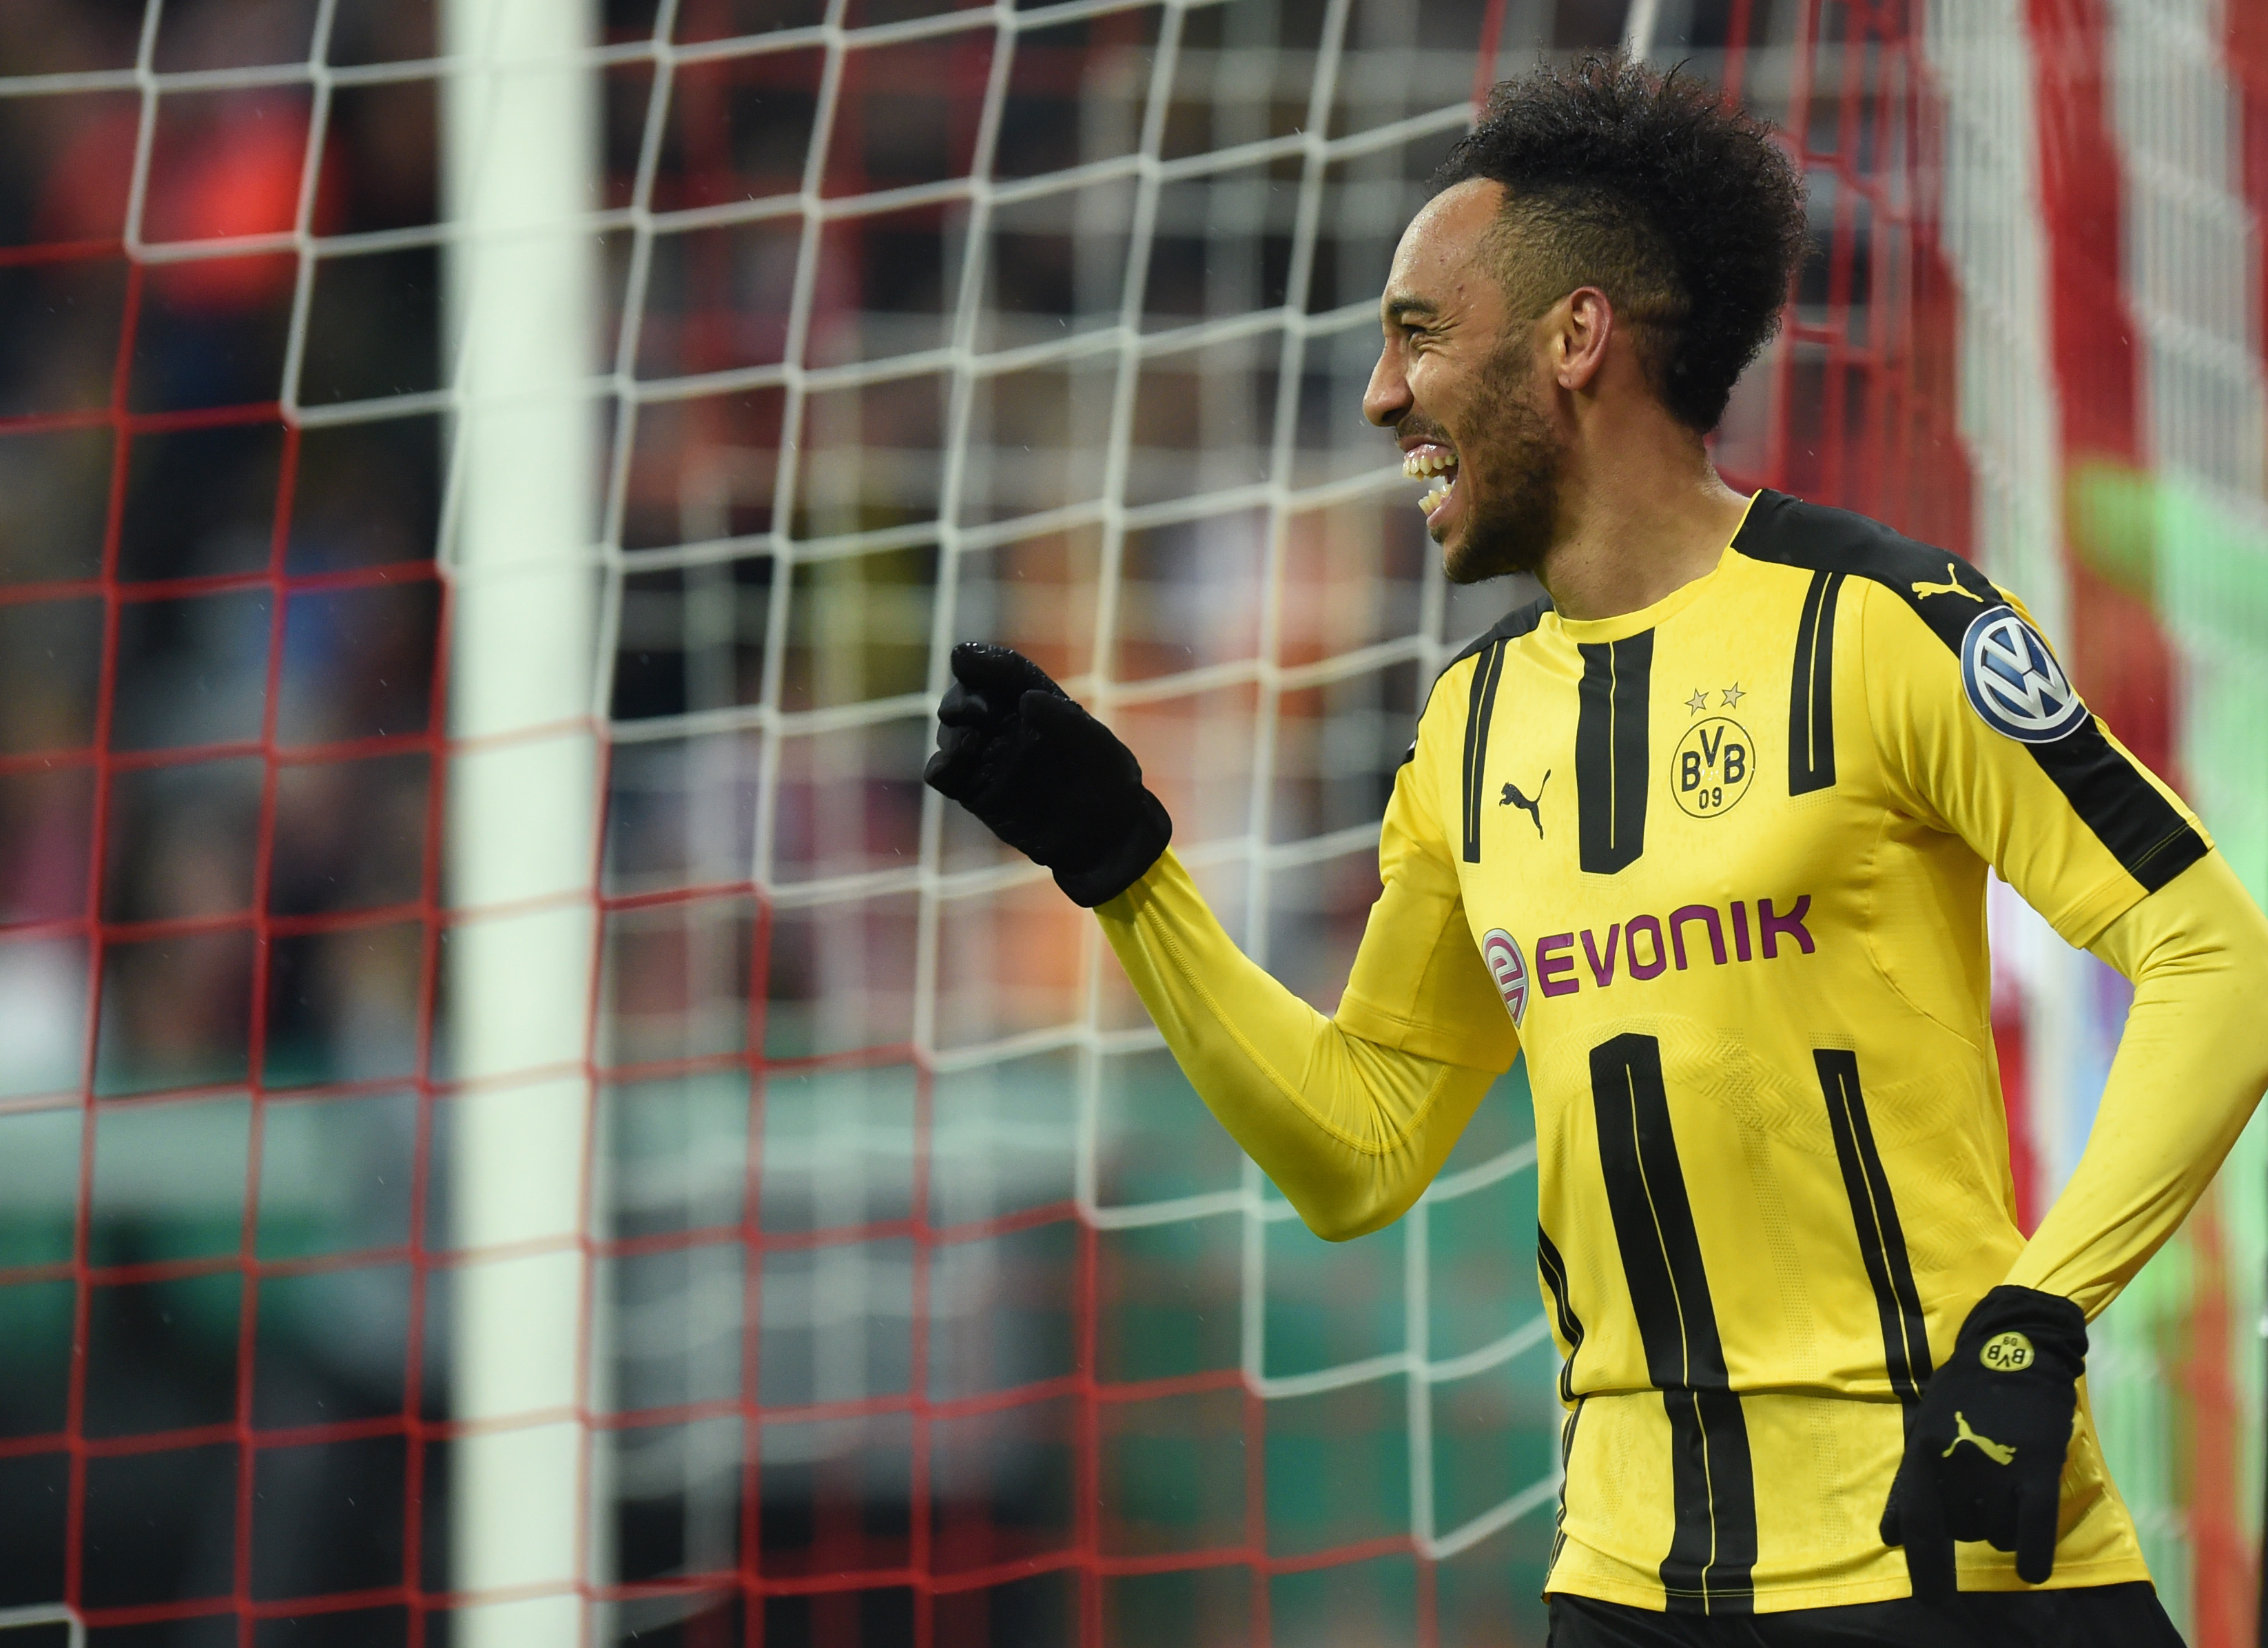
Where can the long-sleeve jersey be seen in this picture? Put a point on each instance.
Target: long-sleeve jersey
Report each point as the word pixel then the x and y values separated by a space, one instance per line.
pixel 1718 867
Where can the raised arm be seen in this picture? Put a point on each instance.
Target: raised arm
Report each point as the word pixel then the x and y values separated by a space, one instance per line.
pixel 1349 1116
pixel 1351 1131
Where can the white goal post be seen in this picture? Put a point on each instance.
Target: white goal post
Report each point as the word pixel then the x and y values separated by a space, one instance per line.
pixel 520 135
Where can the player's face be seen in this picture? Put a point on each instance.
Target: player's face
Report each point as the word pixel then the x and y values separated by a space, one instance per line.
pixel 1458 382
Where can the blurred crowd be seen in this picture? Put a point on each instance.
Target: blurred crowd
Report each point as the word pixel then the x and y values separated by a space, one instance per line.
pixel 217 761
pixel 216 649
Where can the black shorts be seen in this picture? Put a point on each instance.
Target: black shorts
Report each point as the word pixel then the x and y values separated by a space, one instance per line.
pixel 2090 1616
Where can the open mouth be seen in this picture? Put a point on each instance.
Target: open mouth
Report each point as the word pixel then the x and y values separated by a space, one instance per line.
pixel 1439 462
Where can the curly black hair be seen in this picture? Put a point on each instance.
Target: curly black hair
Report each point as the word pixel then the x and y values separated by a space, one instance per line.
pixel 1684 209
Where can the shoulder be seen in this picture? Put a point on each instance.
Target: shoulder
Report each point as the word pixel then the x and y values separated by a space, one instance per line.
pixel 1935 586
pixel 1817 538
pixel 1518 622
pixel 1475 660
pixel 1471 666
pixel 1935 632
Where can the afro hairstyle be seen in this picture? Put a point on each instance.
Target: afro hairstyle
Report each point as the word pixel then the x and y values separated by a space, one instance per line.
pixel 1683 208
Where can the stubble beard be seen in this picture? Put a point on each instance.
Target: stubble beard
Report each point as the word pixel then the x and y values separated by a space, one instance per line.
pixel 1515 503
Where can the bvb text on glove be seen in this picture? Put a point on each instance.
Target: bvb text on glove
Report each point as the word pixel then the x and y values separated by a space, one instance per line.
pixel 1984 1449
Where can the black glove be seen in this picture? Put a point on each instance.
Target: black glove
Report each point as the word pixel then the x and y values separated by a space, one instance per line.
pixel 1045 776
pixel 1984 1449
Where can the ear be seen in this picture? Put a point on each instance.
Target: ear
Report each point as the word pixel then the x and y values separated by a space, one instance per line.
pixel 1580 328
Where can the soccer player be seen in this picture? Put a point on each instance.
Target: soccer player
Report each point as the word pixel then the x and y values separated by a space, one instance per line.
pixel 1706 832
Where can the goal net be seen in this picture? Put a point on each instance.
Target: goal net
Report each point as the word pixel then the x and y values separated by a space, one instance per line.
pixel 521 1121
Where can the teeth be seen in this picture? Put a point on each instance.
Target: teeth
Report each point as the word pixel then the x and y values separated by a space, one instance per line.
pixel 1433 496
pixel 1418 464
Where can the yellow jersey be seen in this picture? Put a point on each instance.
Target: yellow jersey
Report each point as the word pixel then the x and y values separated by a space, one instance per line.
pixel 1723 861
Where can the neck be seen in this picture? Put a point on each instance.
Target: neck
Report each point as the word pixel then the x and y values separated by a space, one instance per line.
pixel 1642 513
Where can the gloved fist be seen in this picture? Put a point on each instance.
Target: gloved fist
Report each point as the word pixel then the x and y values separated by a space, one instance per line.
pixel 1045 776
pixel 1985 1448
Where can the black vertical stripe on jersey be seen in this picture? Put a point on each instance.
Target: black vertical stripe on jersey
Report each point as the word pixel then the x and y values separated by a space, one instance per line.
pixel 1611 751
pixel 1882 1242
pixel 2152 842
pixel 1520 620
pixel 1554 1269
pixel 1713 1548
pixel 1486 672
pixel 1811 693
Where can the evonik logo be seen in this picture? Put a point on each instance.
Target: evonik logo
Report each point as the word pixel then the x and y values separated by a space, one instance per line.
pixel 1644 947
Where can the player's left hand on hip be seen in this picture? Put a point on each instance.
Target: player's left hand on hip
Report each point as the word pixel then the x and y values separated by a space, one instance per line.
pixel 1045 776
pixel 1985 1448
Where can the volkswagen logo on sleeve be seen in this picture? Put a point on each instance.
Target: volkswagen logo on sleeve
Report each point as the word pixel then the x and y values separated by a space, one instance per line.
pixel 2014 682
pixel 1509 969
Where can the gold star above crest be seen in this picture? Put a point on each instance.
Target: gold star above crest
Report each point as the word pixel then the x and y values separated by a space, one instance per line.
pixel 1698 701
pixel 1732 696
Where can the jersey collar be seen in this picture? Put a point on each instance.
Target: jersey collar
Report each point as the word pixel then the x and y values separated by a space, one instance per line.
pixel 1623 625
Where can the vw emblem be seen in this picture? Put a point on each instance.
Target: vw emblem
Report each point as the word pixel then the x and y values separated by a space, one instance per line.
pixel 1507 965
pixel 2014 682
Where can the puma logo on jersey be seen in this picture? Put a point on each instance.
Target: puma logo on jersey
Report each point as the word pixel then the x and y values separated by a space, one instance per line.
pixel 1999 1453
pixel 1533 809
pixel 1951 586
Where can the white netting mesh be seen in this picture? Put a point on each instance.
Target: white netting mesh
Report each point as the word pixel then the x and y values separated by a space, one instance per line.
pixel 1112 419
pixel 796 1232
pixel 855 1243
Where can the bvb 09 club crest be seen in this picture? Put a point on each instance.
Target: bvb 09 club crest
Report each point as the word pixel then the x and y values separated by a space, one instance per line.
pixel 1509 969
pixel 1710 768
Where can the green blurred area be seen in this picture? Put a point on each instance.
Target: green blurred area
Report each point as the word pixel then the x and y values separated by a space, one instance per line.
pixel 2176 1362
